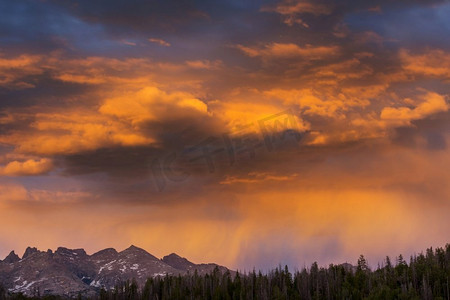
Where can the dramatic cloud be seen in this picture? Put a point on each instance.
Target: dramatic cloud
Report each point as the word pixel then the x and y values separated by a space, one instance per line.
pixel 119 121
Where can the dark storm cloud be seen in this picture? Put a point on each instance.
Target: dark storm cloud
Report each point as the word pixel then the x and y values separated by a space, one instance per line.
pixel 136 15
pixel 160 16
pixel 45 92
pixel 194 29
pixel 119 161
pixel 414 25
pixel 185 15
pixel 82 24
pixel 40 27
pixel 173 136
pixel 430 133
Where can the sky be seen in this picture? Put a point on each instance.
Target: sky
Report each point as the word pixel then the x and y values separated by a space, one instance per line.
pixel 245 133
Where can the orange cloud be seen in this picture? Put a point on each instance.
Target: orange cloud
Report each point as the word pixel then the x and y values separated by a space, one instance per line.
pixel 118 121
pixel 74 131
pixel 204 64
pixel 348 69
pixel 151 103
pixel 378 125
pixel 131 72
pixel 432 103
pixel 28 167
pixel 289 50
pixel 12 70
pixel 89 70
pixel 315 103
pixel 243 111
pixel 433 63
pixel 257 177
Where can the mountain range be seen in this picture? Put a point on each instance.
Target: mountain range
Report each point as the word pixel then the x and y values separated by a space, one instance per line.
pixel 71 272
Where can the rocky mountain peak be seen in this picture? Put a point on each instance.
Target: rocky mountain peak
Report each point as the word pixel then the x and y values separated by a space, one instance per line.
pixel 172 255
pixel 108 252
pixel 11 258
pixel 178 262
pixel 137 252
pixel 104 255
pixel 70 252
pixel 29 251
pixel 134 248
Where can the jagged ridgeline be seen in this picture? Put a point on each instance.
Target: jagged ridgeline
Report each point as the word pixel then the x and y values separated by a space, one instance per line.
pixel 136 274
pixel 71 272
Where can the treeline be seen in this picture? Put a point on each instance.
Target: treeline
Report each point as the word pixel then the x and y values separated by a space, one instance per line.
pixel 425 276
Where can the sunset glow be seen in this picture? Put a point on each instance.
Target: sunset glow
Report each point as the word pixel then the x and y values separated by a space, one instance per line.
pixel 245 133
